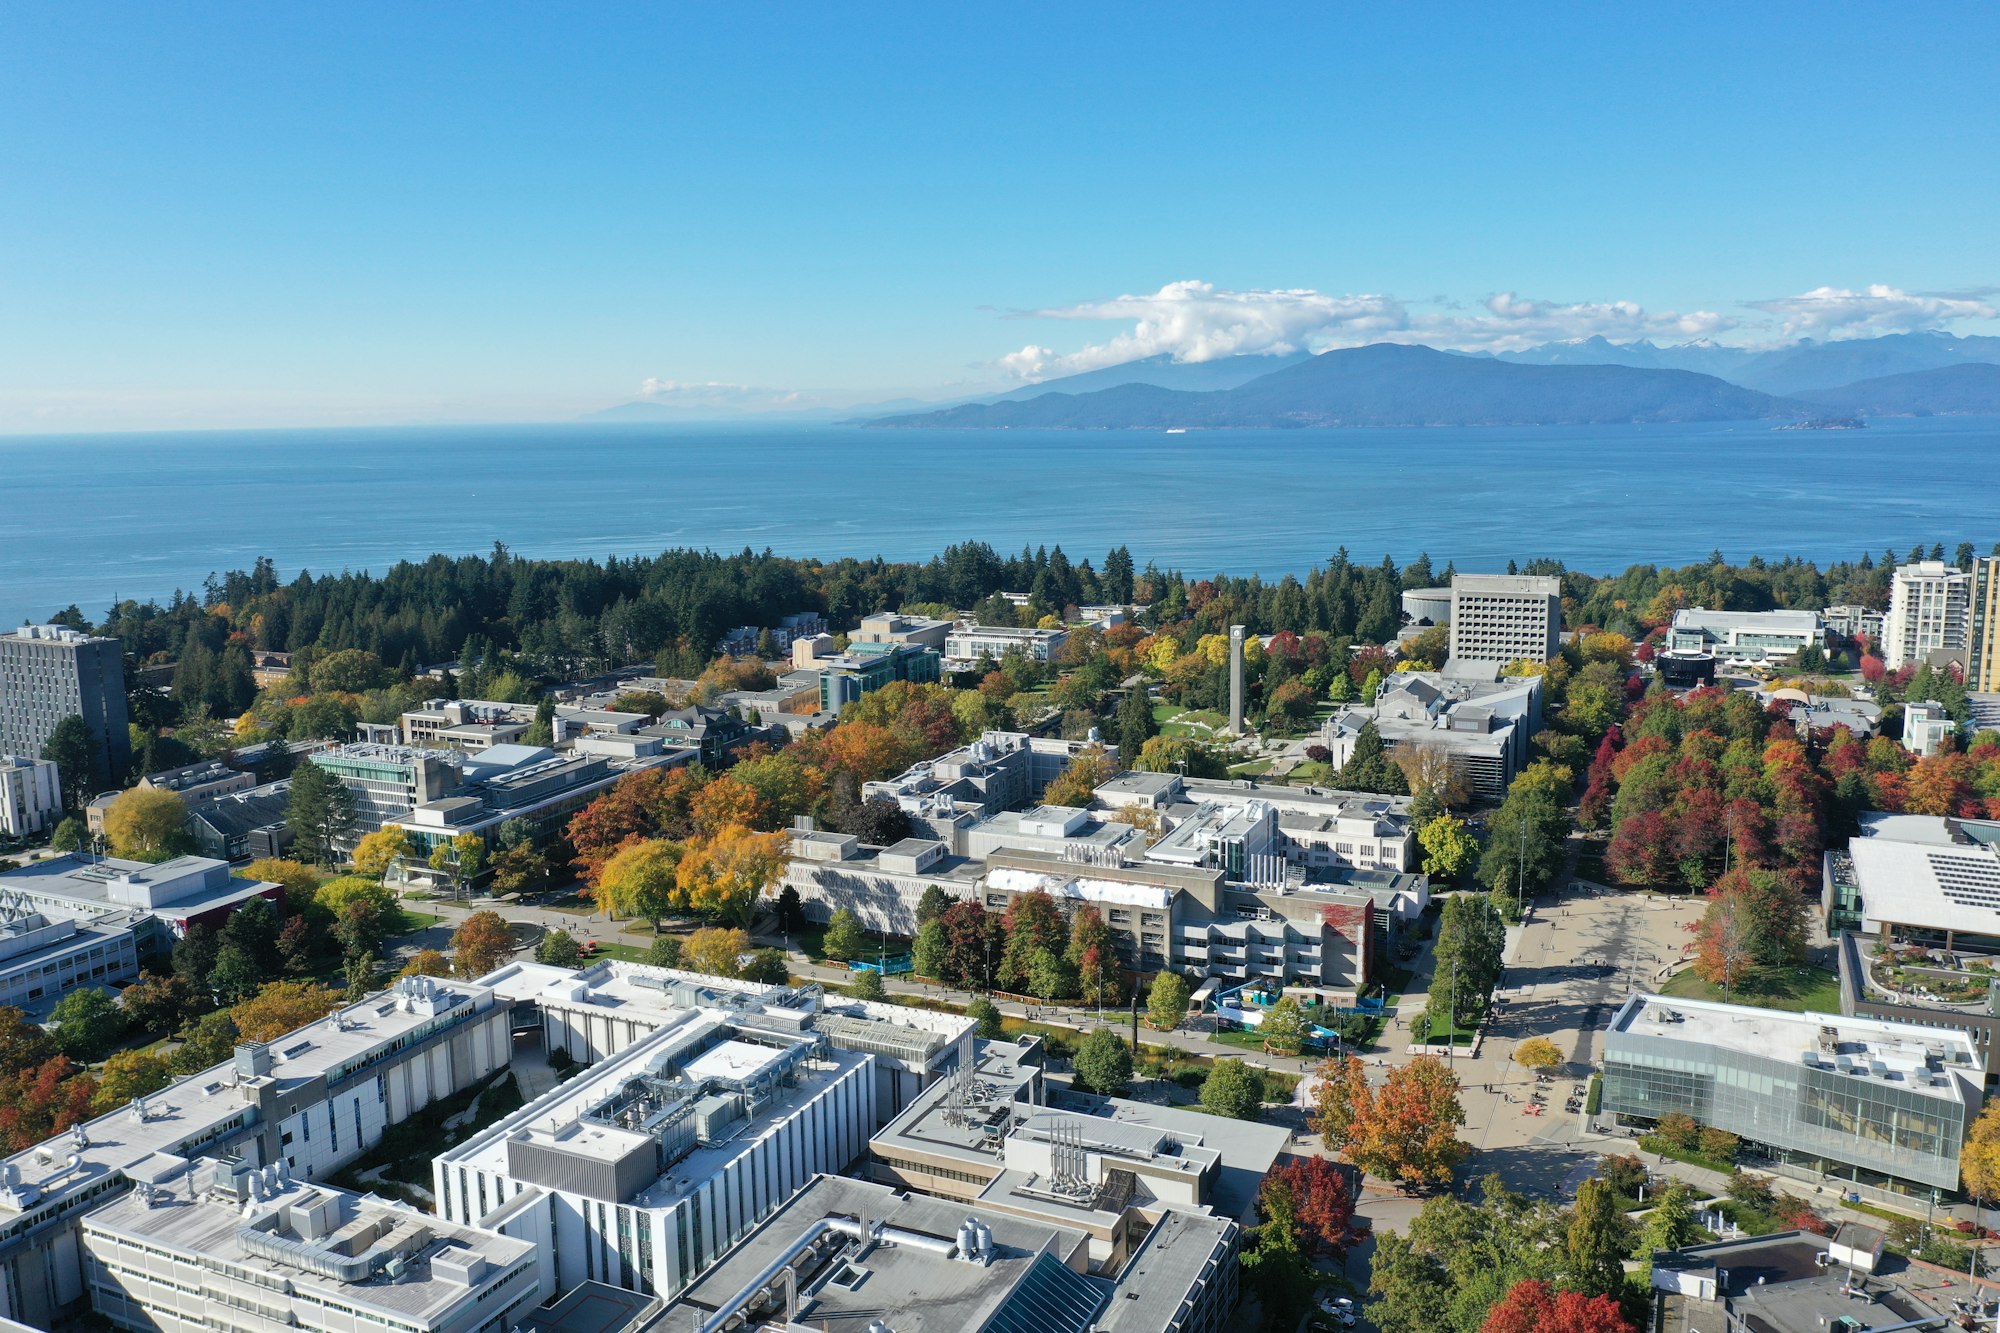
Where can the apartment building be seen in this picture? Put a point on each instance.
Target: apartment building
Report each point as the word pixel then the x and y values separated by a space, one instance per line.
pixel 30 796
pixel 50 672
pixel 1983 669
pixel 1502 618
pixel 1930 607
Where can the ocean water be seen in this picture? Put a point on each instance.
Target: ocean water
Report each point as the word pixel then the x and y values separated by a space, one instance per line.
pixel 88 519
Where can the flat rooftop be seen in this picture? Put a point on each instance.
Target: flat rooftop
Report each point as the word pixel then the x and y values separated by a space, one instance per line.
pixel 1772 1285
pixel 201 1224
pixel 917 1289
pixel 192 1108
pixel 1931 1062
pixel 637 991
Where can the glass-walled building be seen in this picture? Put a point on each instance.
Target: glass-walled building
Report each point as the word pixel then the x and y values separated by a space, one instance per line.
pixel 1872 1100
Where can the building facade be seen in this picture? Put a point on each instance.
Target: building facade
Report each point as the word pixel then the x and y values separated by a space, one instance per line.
pixel 1983 670
pixel 868 666
pixel 1746 636
pixel 969 643
pixel 1882 1102
pixel 30 796
pixel 48 673
pixel 1502 618
pixel 1930 607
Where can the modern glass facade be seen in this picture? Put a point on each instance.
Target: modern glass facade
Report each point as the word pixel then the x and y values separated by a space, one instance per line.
pixel 1860 1120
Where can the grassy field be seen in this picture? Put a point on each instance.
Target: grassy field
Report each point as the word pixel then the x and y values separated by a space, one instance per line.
pixel 416 921
pixel 1797 989
pixel 1175 721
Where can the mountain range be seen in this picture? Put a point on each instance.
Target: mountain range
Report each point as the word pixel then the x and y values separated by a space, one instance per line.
pixel 1587 382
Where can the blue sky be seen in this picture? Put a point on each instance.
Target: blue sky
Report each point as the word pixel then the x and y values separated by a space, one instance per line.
pixel 238 214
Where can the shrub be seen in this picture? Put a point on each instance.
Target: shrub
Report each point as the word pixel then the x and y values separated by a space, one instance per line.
pixel 1718 1144
pixel 1679 1131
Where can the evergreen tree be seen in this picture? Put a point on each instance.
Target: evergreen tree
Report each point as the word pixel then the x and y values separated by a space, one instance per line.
pixel 79 770
pixel 319 813
pixel 1135 724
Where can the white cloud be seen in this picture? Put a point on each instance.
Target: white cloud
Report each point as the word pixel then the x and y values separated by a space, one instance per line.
pixel 1195 321
pixel 1841 312
pixel 716 395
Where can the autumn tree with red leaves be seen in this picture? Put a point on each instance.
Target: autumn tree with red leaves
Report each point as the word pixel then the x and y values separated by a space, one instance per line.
pixel 1533 1306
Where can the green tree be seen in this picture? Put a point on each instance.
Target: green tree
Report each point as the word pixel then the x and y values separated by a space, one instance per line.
pixel 1368 767
pixel 1671 1224
pixel 236 976
pixel 1103 1064
pixel 194 958
pixel 1597 1242
pixel 208 1041
pixel 845 938
pixel 1135 723
pixel 87 1022
pixel 931 949
pixel 665 952
pixel 867 985
pixel 253 927
pixel 319 812
pixel 1284 1028
pixel 1167 1002
pixel 559 949
pixel 79 772
pixel 767 967
pixel 933 904
pixel 71 835
pixel 1233 1088
pixel 987 1016
pixel 1050 976
pixel 1449 848
pixel 1524 844
pixel 1471 938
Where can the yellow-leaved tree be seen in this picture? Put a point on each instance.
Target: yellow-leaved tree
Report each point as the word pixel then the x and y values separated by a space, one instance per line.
pixel 642 880
pixel 723 874
pixel 377 851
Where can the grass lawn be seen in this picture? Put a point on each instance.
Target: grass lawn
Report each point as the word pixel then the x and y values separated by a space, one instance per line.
pixel 629 953
pixel 1797 989
pixel 1255 769
pixel 416 921
pixel 1174 721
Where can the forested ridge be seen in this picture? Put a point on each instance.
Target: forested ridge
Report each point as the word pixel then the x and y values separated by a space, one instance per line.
pixel 566 616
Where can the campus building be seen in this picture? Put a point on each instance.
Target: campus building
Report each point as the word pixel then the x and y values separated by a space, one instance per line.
pixel 1930 607
pixel 850 1254
pixel 1930 880
pixel 220 1244
pixel 48 673
pixel 1881 1102
pixel 1502 618
pixel 44 957
pixel 646 1168
pixel 1483 724
pixel 167 897
pixel 1746 636
pixel 867 666
pixel 970 643
pixel 948 796
pixel 314 1100
pixel 894 627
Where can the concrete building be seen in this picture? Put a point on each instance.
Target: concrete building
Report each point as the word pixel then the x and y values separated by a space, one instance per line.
pixel 1425 607
pixel 1502 618
pixel 44 957
pixel 1926 727
pixel 1002 770
pixel 867 666
pixel 1930 607
pixel 1001 1136
pixel 849 1255
pixel 1746 636
pixel 30 796
pixel 970 643
pixel 1799 1282
pixel 314 1101
pixel 1853 622
pixel 169 896
pixel 912 631
pixel 882 886
pixel 643 1170
pixel 1881 1102
pixel 1075 834
pixel 48 673
pixel 1485 725
pixel 220 1244
pixel 1983 667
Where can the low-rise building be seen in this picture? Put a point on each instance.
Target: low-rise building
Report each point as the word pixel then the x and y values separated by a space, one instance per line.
pixel 1746 636
pixel 970 643
pixel 30 796
pixel 44 957
pixel 314 1101
pixel 1065 830
pixel 244 825
pixel 1927 727
pixel 1853 622
pixel 1929 880
pixel 947 796
pixel 1483 724
pixel 222 1244
pixel 867 666
pixel 882 886
pixel 169 897
pixel 893 627
pixel 1881 1102
pixel 856 1254
pixel 1799 1282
